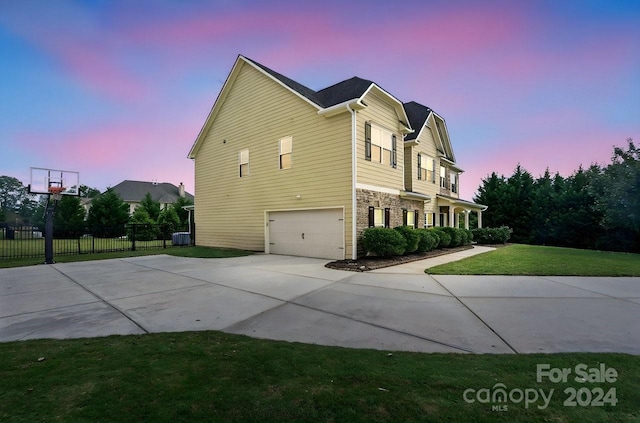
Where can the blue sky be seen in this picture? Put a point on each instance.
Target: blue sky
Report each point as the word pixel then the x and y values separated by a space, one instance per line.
pixel 119 89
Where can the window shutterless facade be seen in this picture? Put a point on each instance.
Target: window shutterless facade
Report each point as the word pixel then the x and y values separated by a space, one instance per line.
pixel 285 146
pixel 426 165
pixel 243 161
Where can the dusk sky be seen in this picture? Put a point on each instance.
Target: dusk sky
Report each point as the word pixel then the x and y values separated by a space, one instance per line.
pixel 120 89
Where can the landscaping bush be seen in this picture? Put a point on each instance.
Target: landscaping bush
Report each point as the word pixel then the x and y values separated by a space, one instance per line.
pixel 384 242
pixel 411 236
pixel 445 238
pixel 436 235
pixel 455 235
pixel 492 235
pixel 469 236
pixel 428 240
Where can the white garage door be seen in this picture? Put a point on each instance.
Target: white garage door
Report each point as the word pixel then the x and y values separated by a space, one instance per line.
pixel 307 233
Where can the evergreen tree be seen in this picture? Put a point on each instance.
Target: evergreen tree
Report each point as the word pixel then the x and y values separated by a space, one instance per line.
pixel 169 221
pixel 182 213
pixel 493 193
pixel 142 227
pixel 108 215
pixel 617 194
pixel 151 207
pixel 519 203
pixel 68 220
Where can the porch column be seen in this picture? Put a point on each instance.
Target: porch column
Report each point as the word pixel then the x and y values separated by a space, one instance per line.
pixel 466 218
pixel 452 217
pixel 479 218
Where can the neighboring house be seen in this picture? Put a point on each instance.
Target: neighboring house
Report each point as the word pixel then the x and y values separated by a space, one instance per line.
pixel 284 169
pixel 133 192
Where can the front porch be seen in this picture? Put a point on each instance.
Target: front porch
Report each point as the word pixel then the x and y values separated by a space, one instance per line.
pixel 451 209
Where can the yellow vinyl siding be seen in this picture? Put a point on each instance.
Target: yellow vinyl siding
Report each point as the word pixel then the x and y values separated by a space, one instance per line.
pixel 379 112
pixel 256 113
pixel 426 147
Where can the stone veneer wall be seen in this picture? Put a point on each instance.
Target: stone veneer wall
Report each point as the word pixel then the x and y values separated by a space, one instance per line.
pixel 366 198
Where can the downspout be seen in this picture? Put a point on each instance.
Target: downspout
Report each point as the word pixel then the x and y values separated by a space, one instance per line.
pixel 354 176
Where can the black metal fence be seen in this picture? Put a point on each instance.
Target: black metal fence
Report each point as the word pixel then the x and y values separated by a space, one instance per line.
pixel 28 241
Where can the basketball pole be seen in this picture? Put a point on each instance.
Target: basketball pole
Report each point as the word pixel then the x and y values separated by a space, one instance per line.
pixel 48 232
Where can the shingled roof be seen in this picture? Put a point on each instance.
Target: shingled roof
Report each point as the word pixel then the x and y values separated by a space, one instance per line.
pixel 417 114
pixel 335 94
pixel 135 191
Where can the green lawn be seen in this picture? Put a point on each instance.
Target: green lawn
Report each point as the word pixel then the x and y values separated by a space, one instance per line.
pixel 212 376
pixel 200 252
pixel 520 259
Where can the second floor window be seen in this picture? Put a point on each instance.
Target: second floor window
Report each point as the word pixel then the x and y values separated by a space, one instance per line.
pixel 444 183
pixel 243 161
pixel 426 166
pixel 380 145
pixel 454 183
pixel 286 151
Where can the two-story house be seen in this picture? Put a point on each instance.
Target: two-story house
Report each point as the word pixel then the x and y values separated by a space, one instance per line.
pixel 284 169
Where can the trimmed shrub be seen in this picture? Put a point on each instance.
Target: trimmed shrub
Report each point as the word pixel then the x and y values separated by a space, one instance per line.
pixel 384 242
pixel 411 236
pixel 428 240
pixel 469 234
pixel 455 234
pixel 436 235
pixel 492 235
pixel 445 238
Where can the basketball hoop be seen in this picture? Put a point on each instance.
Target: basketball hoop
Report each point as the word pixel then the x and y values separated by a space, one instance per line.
pixel 56 192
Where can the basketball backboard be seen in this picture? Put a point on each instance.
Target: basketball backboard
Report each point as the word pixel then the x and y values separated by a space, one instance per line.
pixel 54 181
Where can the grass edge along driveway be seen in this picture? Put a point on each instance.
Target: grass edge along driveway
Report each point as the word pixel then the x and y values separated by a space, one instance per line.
pixel 213 376
pixel 535 260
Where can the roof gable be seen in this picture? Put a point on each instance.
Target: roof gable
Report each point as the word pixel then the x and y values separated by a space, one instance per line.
pixel 424 118
pixel 418 115
pixel 325 100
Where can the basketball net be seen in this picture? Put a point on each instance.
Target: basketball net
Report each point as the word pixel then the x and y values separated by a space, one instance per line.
pixel 56 192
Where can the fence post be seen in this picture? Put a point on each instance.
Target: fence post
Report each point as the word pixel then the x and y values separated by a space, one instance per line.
pixel 164 235
pixel 133 237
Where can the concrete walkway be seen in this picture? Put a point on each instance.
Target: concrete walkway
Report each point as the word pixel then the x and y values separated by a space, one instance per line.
pixel 418 267
pixel 298 299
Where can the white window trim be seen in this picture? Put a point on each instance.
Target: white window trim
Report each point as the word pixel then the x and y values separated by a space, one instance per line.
pixel 382 137
pixel 281 152
pixel 243 158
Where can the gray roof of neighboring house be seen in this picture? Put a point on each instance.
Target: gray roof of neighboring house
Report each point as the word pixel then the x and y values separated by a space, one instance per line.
pixel 164 192
pixel 417 114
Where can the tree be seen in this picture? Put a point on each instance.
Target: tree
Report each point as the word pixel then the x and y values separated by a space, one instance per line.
pixel 88 192
pixel 151 207
pixel 108 215
pixel 519 202
pixel 68 220
pixel 617 194
pixel 182 213
pixel 493 193
pixel 169 221
pixel 142 227
pixel 12 193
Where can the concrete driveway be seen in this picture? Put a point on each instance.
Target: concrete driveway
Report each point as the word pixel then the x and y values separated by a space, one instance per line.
pixel 298 299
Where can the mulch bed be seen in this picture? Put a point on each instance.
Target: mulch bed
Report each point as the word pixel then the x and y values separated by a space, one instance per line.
pixel 371 263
